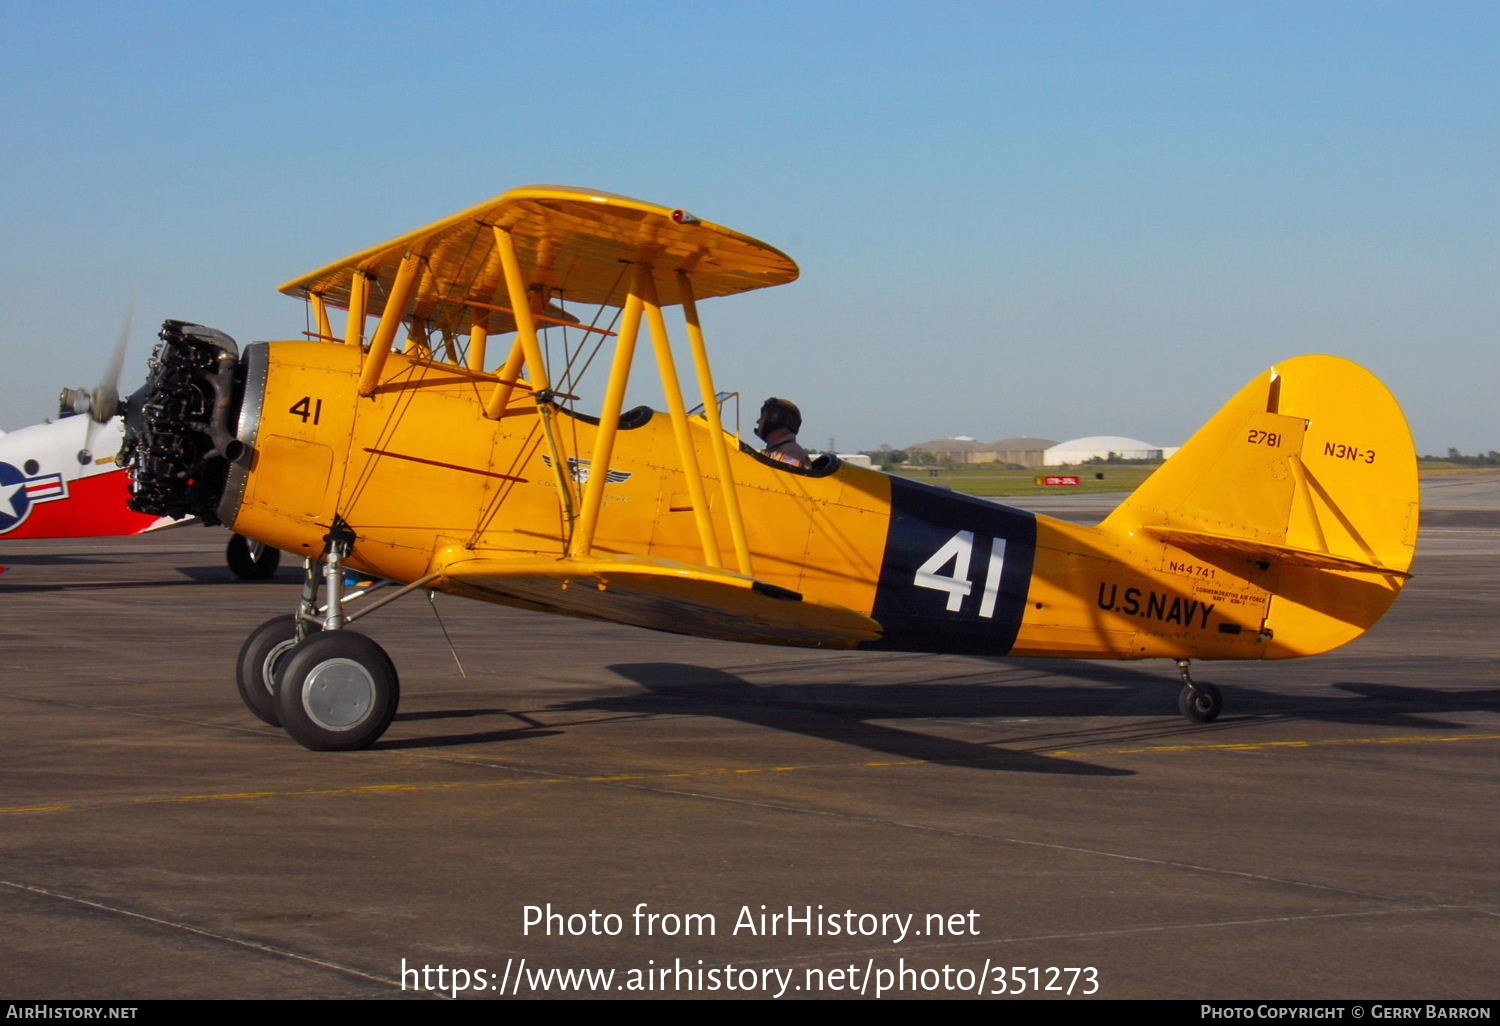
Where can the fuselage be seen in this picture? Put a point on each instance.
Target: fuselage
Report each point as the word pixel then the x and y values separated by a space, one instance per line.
pixel 419 474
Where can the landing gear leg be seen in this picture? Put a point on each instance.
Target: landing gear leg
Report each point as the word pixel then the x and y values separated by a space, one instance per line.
pixel 1200 703
pixel 335 690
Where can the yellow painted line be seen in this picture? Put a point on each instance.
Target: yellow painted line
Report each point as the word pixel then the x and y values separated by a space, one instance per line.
pixel 40 808
pixel 210 797
pixel 1260 746
pixel 720 771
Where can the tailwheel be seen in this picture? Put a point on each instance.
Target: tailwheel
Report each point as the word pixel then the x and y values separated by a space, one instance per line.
pixel 251 560
pixel 1200 703
pixel 261 657
pixel 337 691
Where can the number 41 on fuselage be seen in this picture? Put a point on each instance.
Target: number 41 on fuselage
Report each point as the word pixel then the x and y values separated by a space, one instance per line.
pixel 455 463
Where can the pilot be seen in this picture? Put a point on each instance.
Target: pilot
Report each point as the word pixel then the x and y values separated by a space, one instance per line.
pixel 779 422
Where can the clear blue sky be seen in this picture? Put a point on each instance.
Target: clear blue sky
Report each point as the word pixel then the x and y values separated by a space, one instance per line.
pixel 1056 219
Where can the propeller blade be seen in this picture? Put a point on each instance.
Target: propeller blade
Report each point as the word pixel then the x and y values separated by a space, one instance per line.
pixel 104 403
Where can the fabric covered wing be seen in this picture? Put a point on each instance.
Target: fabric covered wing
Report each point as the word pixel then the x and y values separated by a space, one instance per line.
pixel 681 598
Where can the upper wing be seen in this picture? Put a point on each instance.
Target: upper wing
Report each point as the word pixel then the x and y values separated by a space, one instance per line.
pixel 663 595
pixel 575 243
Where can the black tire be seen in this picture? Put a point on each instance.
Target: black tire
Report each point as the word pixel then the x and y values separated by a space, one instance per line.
pixel 251 560
pixel 262 657
pixel 337 692
pixel 1201 703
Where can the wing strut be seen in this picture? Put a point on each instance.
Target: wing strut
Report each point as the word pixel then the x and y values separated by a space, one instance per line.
pixel 609 423
pixel 531 349
pixel 645 285
pixel 354 334
pixel 642 300
pixel 526 350
pixel 390 319
pixel 320 311
pixel 720 442
pixel 515 286
pixel 508 373
pixel 479 337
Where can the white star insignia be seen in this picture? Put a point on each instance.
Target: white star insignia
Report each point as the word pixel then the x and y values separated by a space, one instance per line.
pixel 7 494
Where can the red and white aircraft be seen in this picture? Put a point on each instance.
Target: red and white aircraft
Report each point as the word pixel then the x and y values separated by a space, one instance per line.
pixel 59 479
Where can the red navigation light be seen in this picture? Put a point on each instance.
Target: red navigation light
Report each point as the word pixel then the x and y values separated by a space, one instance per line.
pixel 683 217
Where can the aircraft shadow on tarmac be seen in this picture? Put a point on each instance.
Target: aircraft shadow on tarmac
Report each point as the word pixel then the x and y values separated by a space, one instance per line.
pixel 839 713
pixel 1016 691
pixel 219 574
pixel 19 588
pixel 530 729
pixel 1415 701
pixel 51 559
pixel 1386 705
pixel 681 689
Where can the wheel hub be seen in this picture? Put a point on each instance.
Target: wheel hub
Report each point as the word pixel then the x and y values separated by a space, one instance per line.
pixel 338 694
pixel 268 666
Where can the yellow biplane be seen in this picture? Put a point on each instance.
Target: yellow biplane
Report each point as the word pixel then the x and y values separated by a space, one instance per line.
pixel 1285 527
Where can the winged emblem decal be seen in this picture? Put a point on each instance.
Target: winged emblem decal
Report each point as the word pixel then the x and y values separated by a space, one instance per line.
pixel 579 469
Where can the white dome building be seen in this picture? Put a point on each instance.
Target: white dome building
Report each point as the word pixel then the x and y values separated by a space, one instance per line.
pixel 1101 447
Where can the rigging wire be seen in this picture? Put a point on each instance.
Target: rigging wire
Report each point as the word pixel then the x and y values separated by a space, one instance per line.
pixel 432 604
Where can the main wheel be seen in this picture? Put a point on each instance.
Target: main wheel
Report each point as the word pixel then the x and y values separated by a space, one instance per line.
pixel 336 692
pixel 251 560
pixel 1201 703
pixel 261 657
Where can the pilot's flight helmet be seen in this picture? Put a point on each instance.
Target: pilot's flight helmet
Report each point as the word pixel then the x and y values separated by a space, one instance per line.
pixel 779 413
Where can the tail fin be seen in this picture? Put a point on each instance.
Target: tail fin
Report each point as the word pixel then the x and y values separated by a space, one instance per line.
pixel 1305 484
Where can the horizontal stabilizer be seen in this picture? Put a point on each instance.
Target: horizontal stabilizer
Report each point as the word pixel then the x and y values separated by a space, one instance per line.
pixel 664 595
pixel 1264 550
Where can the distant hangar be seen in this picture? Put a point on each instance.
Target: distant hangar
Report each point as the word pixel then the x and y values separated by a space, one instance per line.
pixel 1023 452
pixel 1041 452
pixel 1102 447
